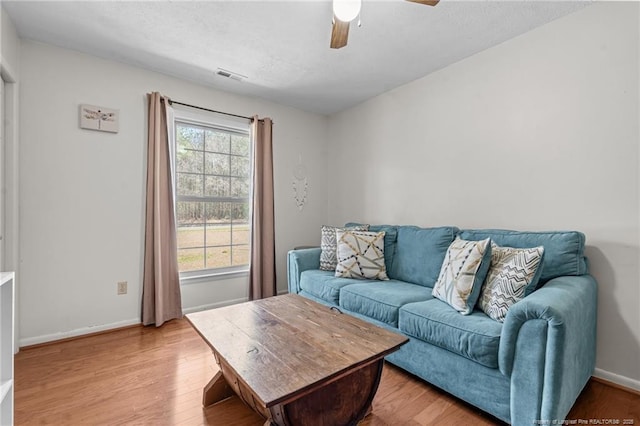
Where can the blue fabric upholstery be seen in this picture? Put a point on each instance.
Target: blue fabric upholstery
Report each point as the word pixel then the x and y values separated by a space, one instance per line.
pixel 381 300
pixel 420 252
pixel 546 345
pixel 476 384
pixel 474 336
pixel 316 299
pixel 563 250
pixel 299 261
pixel 568 305
pixel 324 284
pixel 441 368
pixel 526 381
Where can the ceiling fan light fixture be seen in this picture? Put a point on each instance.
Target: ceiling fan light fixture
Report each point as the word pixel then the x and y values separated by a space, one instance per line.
pixel 346 10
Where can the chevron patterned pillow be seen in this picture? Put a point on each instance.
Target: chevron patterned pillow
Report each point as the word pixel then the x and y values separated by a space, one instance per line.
pixel 464 268
pixel 328 245
pixel 361 255
pixel 513 274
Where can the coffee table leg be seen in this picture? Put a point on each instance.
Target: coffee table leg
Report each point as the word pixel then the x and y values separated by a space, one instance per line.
pixel 216 390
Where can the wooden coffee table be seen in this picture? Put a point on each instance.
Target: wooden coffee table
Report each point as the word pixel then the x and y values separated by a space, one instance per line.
pixel 294 361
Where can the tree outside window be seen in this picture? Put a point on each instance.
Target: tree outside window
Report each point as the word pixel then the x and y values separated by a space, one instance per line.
pixel 213 172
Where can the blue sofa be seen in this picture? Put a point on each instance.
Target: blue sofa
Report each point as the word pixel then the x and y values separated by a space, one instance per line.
pixel 531 367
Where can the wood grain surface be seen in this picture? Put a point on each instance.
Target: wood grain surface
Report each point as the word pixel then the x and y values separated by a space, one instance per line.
pixel 155 376
pixel 289 336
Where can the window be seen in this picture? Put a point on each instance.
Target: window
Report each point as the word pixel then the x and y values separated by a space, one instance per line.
pixel 213 175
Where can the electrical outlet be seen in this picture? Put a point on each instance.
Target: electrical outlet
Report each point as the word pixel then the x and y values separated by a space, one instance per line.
pixel 122 287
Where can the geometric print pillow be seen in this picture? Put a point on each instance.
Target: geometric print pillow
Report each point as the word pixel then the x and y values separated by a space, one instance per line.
pixel 328 260
pixel 514 274
pixel 361 255
pixel 463 271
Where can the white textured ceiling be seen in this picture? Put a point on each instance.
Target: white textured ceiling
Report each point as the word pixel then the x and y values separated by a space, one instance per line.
pixel 283 46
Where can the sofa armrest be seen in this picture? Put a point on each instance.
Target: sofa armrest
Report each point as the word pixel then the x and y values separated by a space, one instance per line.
pixel 299 261
pixel 548 348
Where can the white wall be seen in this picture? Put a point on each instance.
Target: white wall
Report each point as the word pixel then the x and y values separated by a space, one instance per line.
pixel 538 133
pixel 82 192
pixel 9 42
pixel 9 69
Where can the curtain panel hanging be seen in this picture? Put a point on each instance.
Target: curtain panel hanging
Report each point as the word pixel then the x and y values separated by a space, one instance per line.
pixel 262 272
pixel 161 299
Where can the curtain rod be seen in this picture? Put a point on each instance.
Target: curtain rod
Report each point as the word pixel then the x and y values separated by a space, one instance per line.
pixel 171 102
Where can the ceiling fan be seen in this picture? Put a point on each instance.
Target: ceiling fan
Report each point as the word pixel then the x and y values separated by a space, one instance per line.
pixel 345 11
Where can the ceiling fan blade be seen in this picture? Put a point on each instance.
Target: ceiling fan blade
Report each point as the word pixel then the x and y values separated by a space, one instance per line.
pixel 339 33
pixel 427 2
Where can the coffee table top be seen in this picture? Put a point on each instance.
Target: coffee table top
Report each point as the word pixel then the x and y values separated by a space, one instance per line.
pixel 282 345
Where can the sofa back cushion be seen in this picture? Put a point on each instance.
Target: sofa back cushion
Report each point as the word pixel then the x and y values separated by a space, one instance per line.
pixel 419 253
pixel 563 250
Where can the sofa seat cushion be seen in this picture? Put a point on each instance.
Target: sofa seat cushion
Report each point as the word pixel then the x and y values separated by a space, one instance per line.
pixel 381 300
pixel 475 336
pixel 324 285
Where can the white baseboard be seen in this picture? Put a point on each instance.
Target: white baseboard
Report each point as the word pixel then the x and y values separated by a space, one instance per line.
pixel 617 379
pixel 28 341
pixel 213 305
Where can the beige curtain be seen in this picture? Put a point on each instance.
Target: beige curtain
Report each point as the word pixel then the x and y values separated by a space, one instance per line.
pixel 262 273
pixel 161 299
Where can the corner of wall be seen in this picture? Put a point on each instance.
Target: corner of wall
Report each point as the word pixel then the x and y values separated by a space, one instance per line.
pixel 9 45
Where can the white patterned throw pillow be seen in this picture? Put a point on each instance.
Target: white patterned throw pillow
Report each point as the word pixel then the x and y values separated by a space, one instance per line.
pixel 463 271
pixel 361 255
pixel 328 245
pixel 513 274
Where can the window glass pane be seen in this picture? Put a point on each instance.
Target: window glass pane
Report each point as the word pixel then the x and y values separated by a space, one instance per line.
pixel 239 187
pixel 218 212
pixel 218 257
pixel 188 137
pixel 191 236
pixel 217 164
pixel 217 141
pixel 218 234
pixel 189 213
pixel 239 166
pixel 240 255
pixel 189 184
pixel 240 212
pixel 240 233
pixel 240 145
pixel 217 186
pixel 189 161
pixel 212 162
pixel 190 259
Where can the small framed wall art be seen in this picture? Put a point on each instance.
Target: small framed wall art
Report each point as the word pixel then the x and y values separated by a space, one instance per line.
pixel 99 118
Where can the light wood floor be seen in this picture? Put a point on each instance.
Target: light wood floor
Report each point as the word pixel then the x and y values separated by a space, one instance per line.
pixel 149 376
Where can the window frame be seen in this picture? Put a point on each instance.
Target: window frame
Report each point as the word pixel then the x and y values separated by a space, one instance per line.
pixel 231 126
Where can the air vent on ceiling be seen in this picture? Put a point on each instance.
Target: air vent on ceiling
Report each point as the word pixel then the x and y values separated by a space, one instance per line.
pixel 230 74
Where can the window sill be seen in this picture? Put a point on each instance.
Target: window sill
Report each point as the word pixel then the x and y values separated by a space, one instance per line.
pixel 215 276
